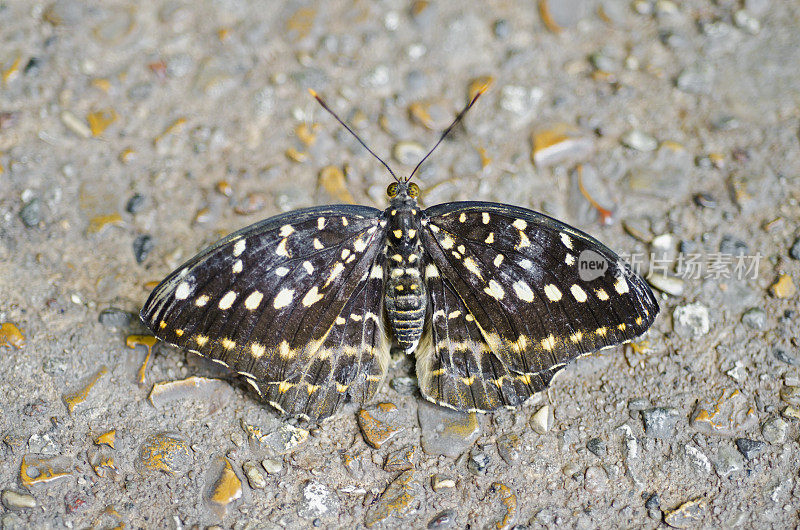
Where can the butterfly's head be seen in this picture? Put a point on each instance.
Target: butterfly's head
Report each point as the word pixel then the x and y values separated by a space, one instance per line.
pixel 402 191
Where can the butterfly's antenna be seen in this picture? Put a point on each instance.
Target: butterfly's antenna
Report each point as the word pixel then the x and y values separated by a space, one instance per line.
pixel 326 107
pixel 478 94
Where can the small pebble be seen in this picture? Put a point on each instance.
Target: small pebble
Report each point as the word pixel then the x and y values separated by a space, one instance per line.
pixel 408 153
pixel 501 28
pixel 794 251
pixel 725 414
pixel 687 515
pixel 784 287
pixel 691 321
pixel 754 318
pixel 142 246
pixel 749 448
pixel 32 67
pixel 478 462
pixel 31 213
pixel 705 200
pixel 271 466
pixel 254 476
pixel 733 246
pixel 135 204
pixel 671 285
pixel 405 386
pixel 774 430
pixel 317 501
pixel 653 506
pixel 508 447
pixel 18 501
pixel 640 141
pixel 791 394
pixel 660 422
pixel 598 447
pixel 728 461
pixel 446 432
pixel 697 458
pixel 595 479
pixel 791 412
pixel 378 423
pixel 443 519
pixel 113 317
pixel 542 420
pixel 784 357
pixel 442 482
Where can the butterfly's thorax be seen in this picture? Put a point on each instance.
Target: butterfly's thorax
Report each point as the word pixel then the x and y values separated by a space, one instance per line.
pixel 406 297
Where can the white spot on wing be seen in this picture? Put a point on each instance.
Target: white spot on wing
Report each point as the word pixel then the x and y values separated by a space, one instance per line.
pixel 578 293
pixel 283 298
pixel 523 291
pixel 520 224
pixel 281 250
pixel 376 272
pixel 552 292
pixel 495 290
pixel 621 285
pixel 201 300
pixel 566 240
pixel 431 271
pixel 281 271
pixel 320 223
pixel 318 244
pixel 237 266
pixel 183 291
pixel 252 301
pixel 472 267
pixel 485 217
pixel 337 269
pixel 498 260
pixel 312 297
pixel 525 263
pixel 359 245
pixel 569 259
pixel 227 301
pixel 286 230
pixel 239 247
pixel 308 267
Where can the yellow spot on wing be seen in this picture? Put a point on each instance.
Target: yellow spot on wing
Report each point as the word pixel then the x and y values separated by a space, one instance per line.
pixel 576 337
pixel 549 343
pixel 201 340
pixel 228 344
pixel 257 350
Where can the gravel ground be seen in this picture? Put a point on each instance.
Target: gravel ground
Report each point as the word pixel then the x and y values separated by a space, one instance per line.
pixel 135 133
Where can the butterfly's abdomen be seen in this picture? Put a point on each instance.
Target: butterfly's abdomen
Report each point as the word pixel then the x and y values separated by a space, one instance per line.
pixel 406 298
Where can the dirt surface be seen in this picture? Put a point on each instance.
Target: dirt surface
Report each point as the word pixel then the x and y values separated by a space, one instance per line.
pixel 133 134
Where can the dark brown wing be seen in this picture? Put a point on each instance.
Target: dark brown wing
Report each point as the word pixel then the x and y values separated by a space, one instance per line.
pixel 511 304
pixel 268 301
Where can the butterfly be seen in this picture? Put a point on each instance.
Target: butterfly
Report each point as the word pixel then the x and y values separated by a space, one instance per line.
pixel 490 298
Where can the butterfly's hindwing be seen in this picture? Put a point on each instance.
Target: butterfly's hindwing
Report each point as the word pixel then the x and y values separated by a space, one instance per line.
pixel 509 306
pixel 265 300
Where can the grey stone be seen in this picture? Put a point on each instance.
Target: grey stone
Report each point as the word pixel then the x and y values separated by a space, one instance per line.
pixel 691 321
pixel 31 213
pixel 784 356
pixel 696 80
pixel 749 448
pixel 135 204
pixel 754 318
pixel 18 501
pixel 660 422
pixel 697 458
pixel 542 420
pixel 508 447
pixel 598 447
pixel 774 430
pixel 794 251
pixel 687 515
pixel 726 414
pixel 113 317
pixel 142 246
pixel 728 460
pixel 405 386
pixel 733 246
pixel 640 141
pixel 595 479
pixel 445 431
pixel 478 462
pixel 254 477
pixel 271 466
pixel 317 501
pixel 443 519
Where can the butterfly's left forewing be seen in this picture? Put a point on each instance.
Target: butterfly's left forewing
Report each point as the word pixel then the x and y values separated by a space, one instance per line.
pixel 292 304
pixel 510 307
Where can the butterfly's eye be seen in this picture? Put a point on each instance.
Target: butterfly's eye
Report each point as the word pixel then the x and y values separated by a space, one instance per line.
pixel 413 190
pixel 391 191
